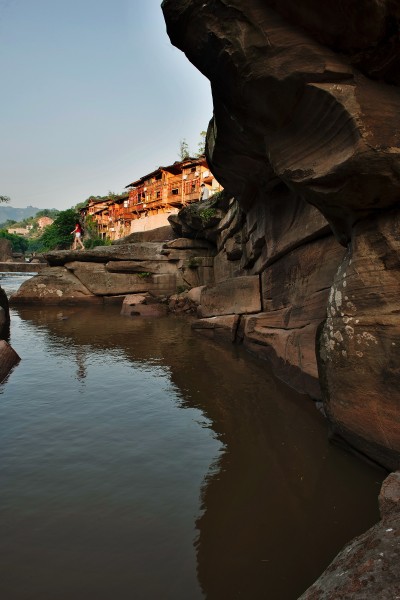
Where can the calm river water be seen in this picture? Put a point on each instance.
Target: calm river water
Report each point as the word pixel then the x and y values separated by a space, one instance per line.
pixel 140 461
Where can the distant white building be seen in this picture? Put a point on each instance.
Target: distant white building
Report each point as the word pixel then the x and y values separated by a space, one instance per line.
pixel 19 230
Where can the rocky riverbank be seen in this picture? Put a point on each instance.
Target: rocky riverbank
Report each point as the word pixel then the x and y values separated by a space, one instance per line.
pixel 368 567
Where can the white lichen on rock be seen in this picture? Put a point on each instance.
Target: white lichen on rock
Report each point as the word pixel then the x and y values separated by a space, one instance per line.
pixel 351 306
pixel 338 298
pixel 338 336
pixel 368 336
pixel 349 330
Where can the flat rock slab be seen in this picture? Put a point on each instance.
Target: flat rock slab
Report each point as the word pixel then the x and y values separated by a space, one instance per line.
pixel 233 296
pixel 103 254
pixel 96 278
pixel 148 266
pixel 189 244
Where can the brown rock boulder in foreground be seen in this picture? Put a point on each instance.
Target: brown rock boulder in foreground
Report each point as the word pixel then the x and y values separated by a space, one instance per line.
pixel 368 567
pixel 54 285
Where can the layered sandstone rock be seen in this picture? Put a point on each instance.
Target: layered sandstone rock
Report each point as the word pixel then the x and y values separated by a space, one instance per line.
pixel 159 269
pixel 305 136
pixel 359 345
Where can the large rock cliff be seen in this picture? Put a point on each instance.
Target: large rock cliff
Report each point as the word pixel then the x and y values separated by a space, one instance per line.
pixel 305 137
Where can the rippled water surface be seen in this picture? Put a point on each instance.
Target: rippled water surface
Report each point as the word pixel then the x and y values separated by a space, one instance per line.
pixel 139 460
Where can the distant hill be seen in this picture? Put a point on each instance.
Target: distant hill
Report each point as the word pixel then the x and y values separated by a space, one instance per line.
pixel 16 214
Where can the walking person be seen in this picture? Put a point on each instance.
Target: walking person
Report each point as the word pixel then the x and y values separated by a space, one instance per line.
pixel 77 237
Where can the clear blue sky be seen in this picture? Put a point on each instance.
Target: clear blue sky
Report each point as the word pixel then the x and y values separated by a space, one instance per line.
pixel 93 97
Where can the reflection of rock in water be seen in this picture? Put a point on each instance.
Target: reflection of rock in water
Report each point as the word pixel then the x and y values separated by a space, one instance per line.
pixel 278 498
pixel 368 567
pixel 80 361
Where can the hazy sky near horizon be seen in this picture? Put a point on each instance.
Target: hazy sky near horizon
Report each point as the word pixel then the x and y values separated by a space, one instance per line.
pixel 94 96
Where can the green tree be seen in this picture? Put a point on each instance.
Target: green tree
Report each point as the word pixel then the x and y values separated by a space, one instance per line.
pixel 57 236
pixel 91 238
pixel 184 151
pixel 4 198
pixel 202 143
pixel 19 244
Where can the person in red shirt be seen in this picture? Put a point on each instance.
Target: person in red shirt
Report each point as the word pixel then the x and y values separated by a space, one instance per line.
pixel 77 237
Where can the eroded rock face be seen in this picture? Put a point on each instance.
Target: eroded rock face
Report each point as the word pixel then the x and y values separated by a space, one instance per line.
pixel 359 346
pixel 295 291
pixel 306 113
pixel 289 109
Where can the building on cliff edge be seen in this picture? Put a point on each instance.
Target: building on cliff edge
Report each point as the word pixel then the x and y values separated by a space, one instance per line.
pixel 151 199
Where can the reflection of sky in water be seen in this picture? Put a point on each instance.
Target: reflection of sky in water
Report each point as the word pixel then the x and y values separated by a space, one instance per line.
pixel 100 468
